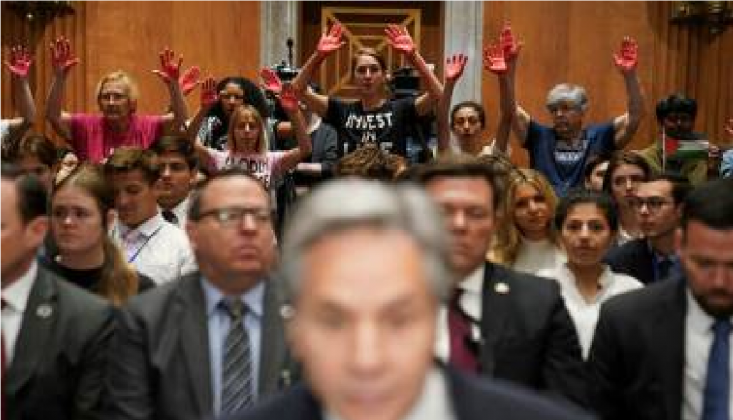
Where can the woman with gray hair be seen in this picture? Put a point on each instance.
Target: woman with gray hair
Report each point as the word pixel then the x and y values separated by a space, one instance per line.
pixel 561 151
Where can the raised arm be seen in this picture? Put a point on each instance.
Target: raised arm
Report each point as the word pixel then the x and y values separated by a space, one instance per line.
pixel 625 126
pixel 330 41
pixel 399 39
pixel 19 64
pixel 169 73
pixel 454 67
pixel 289 102
pixel 208 99
pixel 507 83
pixel 62 60
pixel 495 62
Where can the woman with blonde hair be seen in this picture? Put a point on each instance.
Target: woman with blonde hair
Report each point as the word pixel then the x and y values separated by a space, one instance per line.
pixel 526 240
pixel 81 212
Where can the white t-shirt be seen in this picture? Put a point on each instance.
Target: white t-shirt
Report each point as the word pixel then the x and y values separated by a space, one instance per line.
pixel 267 168
pixel 534 256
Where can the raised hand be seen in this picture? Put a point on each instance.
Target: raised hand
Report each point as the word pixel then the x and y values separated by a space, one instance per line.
pixel 509 43
pixel 20 61
pixel 208 92
pixel 494 60
pixel 170 70
pixel 272 81
pixel 288 98
pixel 399 39
pixel 628 56
pixel 331 40
pixel 190 79
pixel 62 58
pixel 454 66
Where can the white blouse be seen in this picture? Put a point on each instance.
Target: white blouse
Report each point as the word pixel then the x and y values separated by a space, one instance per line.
pixel 534 256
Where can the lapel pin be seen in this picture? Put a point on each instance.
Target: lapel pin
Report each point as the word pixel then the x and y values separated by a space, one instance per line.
pixel 287 311
pixel 44 311
pixel 501 288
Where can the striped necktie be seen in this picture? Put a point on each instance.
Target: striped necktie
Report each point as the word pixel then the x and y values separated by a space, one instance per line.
pixel 236 381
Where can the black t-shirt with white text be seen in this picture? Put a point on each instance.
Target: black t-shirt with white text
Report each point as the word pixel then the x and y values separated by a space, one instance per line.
pixel 388 125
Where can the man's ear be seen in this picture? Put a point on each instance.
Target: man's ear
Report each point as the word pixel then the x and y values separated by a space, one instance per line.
pixel 36 230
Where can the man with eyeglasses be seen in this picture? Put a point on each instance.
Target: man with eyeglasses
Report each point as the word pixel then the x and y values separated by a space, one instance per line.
pixel 211 343
pixel 663 352
pixel 658 206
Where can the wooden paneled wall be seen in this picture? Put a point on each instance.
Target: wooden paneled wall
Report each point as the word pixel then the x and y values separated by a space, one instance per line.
pixel 574 42
pixel 220 37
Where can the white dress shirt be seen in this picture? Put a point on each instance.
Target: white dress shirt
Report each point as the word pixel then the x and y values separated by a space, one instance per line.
pixel 583 313
pixel 698 340
pixel 470 302
pixel 181 212
pixel 15 297
pixel 157 249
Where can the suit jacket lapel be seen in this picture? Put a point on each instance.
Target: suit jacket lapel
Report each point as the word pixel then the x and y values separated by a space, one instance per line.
pixel 39 318
pixel 669 329
pixel 273 347
pixel 195 340
pixel 494 310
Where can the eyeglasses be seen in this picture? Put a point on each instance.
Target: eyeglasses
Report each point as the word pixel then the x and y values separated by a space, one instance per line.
pixel 233 216
pixel 652 203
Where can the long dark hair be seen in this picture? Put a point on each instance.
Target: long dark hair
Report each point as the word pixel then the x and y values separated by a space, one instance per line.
pixel 252 96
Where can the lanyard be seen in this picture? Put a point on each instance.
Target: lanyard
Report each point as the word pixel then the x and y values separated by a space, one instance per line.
pixel 137 252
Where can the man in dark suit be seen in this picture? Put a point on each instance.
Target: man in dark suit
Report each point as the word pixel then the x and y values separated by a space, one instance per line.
pixel 55 336
pixel 213 342
pixel 500 323
pixel 367 279
pixel 663 352
pixel 658 205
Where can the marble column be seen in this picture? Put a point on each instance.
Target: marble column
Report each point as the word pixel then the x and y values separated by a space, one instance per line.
pixel 463 34
pixel 278 22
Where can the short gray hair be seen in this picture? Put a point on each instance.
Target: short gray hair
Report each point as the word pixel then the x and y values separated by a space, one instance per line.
pixel 566 92
pixel 346 204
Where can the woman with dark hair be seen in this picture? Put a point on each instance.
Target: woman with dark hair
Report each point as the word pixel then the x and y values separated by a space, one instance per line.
pixel 626 170
pixel 81 211
pixel 374 117
pixel 587 222
pixel 232 91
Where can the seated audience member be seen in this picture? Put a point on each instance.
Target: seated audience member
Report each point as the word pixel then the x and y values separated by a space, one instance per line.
pixel 676 119
pixel 499 323
pixel 82 209
pixel 371 162
pixel 560 152
pixel 662 352
pixel 67 162
pixel 95 137
pixel 35 154
pixel 595 171
pixel 248 140
pixel 55 336
pixel 155 247
pixel 374 117
pixel 231 93
pixel 526 239
pixel 364 323
pixel 626 170
pixel 726 164
pixel 19 63
pixel 467 120
pixel 178 168
pixel 658 205
pixel 210 343
pixel 587 223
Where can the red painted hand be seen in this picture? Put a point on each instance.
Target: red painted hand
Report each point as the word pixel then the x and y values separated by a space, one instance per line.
pixel 170 70
pixel 509 43
pixel 399 39
pixel 190 79
pixel 494 60
pixel 288 98
pixel 331 40
pixel 20 61
pixel 62 59
pixel 208 92
pixel 628 56
pixel 272 81
pixel 454 66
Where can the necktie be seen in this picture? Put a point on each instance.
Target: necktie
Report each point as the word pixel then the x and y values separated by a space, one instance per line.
pixel 170 217
pixel 716 404
pixel 663 267
pixel 236 391
pixel 462 353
